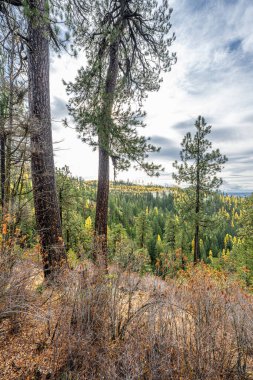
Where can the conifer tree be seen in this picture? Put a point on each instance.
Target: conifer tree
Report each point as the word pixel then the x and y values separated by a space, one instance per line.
pixel 31 26
pixel 143 230
pixel 170 234
pixel 127 46
pixel 198 169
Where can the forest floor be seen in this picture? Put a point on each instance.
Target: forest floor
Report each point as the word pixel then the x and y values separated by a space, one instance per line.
pixel 36 342
pixel 27 350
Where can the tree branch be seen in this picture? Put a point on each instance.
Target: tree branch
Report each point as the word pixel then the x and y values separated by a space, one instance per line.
pixel 17 3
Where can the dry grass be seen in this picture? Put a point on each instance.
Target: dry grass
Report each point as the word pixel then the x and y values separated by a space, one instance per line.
pixel 122 326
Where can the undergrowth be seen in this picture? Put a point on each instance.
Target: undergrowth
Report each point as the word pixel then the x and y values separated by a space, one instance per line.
pixel 123 326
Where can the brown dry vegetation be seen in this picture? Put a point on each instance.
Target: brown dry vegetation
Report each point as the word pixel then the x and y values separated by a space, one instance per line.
pixel 122 326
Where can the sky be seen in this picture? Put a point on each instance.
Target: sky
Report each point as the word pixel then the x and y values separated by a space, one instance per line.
pixel 213 77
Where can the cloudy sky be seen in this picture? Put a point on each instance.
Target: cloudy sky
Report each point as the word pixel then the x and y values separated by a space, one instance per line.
pixel 213 77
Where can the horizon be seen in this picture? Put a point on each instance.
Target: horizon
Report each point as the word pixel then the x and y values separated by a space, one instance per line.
pixel 164 185
pixel 213 78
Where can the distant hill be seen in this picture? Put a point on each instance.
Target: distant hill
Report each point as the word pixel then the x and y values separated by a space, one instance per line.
pixel 240 193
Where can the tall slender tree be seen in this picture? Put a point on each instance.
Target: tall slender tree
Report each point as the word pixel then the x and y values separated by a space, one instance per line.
pixel 199 167
pixel 127 46
pixel 36 14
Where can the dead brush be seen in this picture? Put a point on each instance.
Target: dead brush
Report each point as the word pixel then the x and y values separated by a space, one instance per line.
pixel 83 328
pixel 200 329
pixel 13 292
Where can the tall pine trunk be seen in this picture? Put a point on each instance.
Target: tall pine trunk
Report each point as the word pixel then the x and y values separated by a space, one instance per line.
pixel 100 238
pixel 196 238
pixel 42 160
pixel 197 209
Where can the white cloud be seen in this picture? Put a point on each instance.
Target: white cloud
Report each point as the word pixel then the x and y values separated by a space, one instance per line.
pixel 213 77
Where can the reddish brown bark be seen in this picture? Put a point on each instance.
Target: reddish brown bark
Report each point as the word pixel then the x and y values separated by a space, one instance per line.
pixel 42 160
pixel 100 240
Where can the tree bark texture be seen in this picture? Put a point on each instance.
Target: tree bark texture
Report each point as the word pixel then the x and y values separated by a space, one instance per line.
pixel 100 239
pixel 42 161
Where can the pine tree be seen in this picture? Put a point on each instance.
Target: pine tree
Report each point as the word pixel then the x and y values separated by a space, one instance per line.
pixel 34 30
pixel 170 234
pixel 198 169
pixel 143 230
pixel 126 44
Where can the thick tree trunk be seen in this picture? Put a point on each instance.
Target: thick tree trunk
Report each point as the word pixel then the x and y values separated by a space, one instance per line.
pixel 42 160
pixel 100 238
pixel 104 136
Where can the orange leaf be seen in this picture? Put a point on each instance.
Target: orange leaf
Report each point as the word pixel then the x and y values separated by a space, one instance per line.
pixel 4 230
